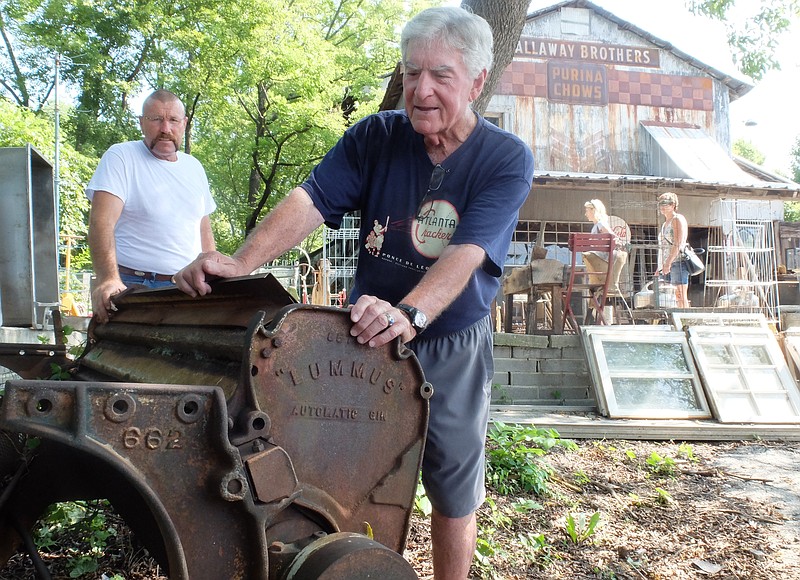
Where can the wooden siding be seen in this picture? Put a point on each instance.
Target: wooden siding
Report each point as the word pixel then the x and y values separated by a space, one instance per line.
pixel 603 138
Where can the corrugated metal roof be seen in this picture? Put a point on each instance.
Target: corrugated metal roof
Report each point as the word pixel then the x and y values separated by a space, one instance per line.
pixel 762 173
pixel 736 87
pixel 697 187
pixel 686 158
pixel 687 151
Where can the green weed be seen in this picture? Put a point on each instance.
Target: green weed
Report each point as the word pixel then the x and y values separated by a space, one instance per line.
pixel 535 548
pixel 658 465
pixel 422 505
pixel 487 548
pixel 501 395
pixel 687 451
pixel 581 478
pixel 57 373
pixel 496 516
pixel 514 455
pixel 579 528
pixel 663 497
pixel 79 518
pixel 527 505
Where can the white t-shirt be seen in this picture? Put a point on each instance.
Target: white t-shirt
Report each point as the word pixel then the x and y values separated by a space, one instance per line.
pixel 159 228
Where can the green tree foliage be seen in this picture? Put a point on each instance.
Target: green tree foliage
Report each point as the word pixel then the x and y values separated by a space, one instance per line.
pixel 303 71
pixel 755 33
pixel 791 209
pixel 748 151
pixel 104 46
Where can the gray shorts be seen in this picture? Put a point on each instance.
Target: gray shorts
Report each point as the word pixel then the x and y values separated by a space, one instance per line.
pixel 460 368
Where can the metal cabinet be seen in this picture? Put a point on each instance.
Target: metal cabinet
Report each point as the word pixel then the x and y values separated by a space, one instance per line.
pixel 28 238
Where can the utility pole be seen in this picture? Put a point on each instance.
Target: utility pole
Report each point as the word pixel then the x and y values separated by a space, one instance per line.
pixel 57 152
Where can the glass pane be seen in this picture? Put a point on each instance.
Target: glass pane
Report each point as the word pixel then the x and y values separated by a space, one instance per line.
pixel 776 407
pixel 735 408
pixel 761 380
pixel 718 354
pixel 753 354
pixel 649 356
pixel 721 380
pixel 655 393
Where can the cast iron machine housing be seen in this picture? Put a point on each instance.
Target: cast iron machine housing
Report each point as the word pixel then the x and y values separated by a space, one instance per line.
pixel 240 435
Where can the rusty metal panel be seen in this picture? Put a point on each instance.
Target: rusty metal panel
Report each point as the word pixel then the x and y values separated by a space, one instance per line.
pixel 266 429
pixel 33 361
pixel 170 444
pixel 346 410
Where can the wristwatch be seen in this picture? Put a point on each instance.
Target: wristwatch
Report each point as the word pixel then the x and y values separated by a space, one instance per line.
pixel 418 319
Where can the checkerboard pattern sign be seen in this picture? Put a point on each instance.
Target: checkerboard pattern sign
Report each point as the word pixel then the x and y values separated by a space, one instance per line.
pixel 527 78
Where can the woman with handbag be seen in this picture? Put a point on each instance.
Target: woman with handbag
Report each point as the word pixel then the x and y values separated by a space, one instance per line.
pixel 674 233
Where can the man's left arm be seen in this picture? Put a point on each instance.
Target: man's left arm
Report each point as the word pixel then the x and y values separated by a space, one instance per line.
pixel 207 242
pixel 440 286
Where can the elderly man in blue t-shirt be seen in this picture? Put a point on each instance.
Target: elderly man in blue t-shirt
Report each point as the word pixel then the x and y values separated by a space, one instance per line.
pixel 443 187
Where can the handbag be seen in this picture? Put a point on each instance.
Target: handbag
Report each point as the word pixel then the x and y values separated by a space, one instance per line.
pixel 693 262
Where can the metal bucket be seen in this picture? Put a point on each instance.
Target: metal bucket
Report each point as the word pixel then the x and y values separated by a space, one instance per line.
pixel 663 296
pixel 645 298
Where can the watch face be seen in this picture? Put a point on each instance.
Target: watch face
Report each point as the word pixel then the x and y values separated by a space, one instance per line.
pixel 418 318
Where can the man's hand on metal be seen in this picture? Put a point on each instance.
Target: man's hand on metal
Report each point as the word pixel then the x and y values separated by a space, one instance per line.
pixel 102 299
pixel 193 279
pixel 377 322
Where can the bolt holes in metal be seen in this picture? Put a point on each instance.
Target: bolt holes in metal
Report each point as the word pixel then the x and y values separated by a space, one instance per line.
pixel 41 403
pixel 190 408
pixel 426 390
pixel 120 407
pixel 233 487
pixel 259 422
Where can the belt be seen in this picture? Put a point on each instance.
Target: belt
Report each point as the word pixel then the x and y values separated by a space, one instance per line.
pixel 145 275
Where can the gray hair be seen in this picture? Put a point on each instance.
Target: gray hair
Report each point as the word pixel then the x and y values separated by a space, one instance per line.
pixel 457 28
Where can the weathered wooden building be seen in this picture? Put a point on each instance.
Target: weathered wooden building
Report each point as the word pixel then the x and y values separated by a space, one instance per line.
pixel 614 113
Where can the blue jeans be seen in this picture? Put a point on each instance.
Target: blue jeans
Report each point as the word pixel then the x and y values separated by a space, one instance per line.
pixel 130 280
pixel 679 273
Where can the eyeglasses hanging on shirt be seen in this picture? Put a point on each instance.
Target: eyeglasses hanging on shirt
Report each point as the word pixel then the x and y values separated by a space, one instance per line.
pixel 437 176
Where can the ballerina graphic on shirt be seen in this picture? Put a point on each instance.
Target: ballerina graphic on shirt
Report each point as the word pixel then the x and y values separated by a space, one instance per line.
pixel 375 238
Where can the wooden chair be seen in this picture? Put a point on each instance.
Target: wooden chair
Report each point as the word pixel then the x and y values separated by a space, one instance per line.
pixel 580 280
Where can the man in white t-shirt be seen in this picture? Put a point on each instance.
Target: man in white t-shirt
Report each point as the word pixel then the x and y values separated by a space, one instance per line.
pixel 150 206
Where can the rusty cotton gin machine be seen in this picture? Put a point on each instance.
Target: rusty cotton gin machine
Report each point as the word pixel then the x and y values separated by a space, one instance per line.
pixel 240 435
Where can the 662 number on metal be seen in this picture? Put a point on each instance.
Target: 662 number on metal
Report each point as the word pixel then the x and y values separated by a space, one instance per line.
pixel 153 439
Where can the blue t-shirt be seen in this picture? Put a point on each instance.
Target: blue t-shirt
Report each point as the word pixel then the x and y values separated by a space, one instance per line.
pixel 381 168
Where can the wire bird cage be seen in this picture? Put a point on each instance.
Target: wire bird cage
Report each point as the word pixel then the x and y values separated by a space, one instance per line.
pixel 340 258
pixel 741 272
pixel 294 271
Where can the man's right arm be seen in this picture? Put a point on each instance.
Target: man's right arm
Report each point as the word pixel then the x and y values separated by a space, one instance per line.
pixel 105 212
pixel 283 228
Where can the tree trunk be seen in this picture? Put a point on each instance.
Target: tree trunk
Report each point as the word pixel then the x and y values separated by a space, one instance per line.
pixel 506 19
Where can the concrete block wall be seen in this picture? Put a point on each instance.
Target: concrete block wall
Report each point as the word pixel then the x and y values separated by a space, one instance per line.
pixel 546 371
